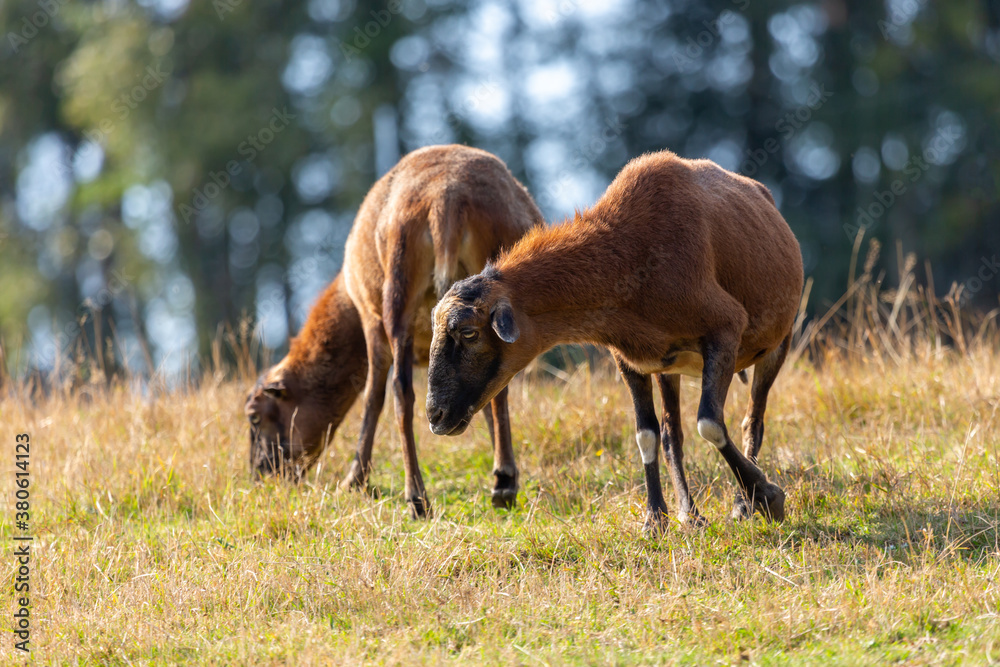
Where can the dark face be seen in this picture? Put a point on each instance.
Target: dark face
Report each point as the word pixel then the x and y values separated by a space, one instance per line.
pixel 467 365
pixel 281 436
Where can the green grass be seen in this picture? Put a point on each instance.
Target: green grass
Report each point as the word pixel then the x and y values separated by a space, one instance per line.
pixel 154 547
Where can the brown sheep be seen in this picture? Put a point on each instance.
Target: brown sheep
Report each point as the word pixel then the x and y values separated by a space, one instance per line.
pixel 436 217
pixel 681 268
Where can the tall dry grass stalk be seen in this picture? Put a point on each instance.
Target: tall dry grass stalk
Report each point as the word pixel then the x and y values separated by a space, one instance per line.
pixel 874 324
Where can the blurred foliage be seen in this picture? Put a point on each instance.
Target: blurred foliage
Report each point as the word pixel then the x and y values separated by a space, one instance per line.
pixel 173 167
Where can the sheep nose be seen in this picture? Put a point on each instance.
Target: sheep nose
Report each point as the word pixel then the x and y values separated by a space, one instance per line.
pixel 434 415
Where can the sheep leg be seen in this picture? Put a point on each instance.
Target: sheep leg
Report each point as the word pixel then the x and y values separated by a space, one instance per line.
pixel 402 388
pixel 504 467
pixel 765 371
pixel 487 414
pixel 719 355
pixel 672 437
pixel 379 361
pixel 648 438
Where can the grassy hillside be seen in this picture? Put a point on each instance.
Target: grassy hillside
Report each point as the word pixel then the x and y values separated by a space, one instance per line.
pixel 153 545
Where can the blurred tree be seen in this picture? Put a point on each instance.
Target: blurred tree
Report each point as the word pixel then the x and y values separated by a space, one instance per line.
pixel 166 167
pixel 203 158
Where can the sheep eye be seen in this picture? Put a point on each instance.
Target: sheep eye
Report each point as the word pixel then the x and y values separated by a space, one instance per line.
pixel 255 419
pixel 470 334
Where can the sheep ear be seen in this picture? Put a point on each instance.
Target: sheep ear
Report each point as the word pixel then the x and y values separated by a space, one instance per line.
pixel 502 316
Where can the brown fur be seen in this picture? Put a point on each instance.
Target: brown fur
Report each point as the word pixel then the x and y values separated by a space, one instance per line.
pixel 680 268
pixel 436 217
pixel 313 387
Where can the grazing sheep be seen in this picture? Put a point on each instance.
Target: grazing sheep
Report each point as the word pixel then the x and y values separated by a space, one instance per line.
pixel 681 268
pixel 436 217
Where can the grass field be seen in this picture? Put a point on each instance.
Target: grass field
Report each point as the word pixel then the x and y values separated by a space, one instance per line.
pixel 154 547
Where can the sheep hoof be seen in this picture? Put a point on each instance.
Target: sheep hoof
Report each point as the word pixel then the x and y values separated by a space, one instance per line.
pixel 768 500
pixel 504 499
pixel 741 507
pixel 656 523
pixel 692 519
pixel 420 507
pixel 504 490
pixel 353 482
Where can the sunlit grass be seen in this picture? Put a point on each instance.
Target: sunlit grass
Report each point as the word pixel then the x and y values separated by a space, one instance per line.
pixel 154 546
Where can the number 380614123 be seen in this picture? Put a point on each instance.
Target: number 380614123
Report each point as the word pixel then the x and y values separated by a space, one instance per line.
pixel 22 451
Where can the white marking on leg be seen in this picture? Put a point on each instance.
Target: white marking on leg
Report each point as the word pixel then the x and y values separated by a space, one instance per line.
pixel 712 432
pixel 647 445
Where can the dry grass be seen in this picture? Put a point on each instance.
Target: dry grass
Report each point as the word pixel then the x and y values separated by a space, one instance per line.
pixel 153 546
